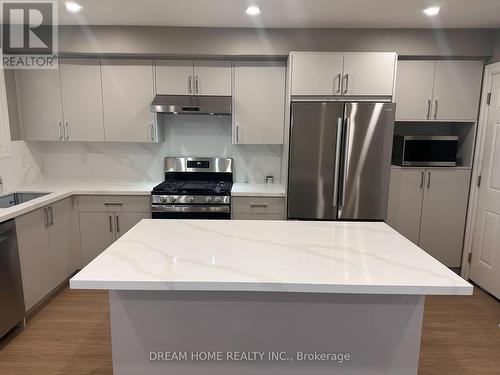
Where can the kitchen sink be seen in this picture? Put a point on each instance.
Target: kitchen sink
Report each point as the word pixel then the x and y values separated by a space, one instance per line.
pixel 13 199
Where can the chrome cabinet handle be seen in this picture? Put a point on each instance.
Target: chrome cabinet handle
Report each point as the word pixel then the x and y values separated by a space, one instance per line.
pixel 113 203
pixel 66 131
pixel 111 223
pixel 152 128
pixel 435 109
pixel 190 84
pixel 45 217
pixel 258 204
pixel 346 79
pixel 429 180
pixel 59 131
pixel 429 105
pixel 422 178
pixel 336 171
pixel 237 134
pixel 196 86
pixel 51 216
pixel 117 218
pixel 338 78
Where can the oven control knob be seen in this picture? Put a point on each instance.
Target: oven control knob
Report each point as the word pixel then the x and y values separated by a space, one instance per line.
pixel 163 199
pixel 208 199
pixel 172 199
pixel 217 199
pixel 191 199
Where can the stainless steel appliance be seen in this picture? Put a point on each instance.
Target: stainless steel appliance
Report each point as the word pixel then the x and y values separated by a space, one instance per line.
pixel 425 151
pixel 340 156
pixel 192 105
pixel 194 188
pixel 11 288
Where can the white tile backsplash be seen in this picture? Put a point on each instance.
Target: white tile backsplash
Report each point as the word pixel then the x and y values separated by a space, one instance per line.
pixel 184 136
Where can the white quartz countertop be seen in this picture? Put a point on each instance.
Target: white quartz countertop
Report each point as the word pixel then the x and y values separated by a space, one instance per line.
pixel 274 256
pixel 62 188
pixel 256 190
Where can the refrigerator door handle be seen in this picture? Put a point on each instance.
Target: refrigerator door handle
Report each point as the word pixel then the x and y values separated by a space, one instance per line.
pixel 336 172
pixel 346 160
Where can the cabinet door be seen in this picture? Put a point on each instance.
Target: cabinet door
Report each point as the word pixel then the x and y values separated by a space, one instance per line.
pixel 316 73
pixel 61 240
pixel 414 84
pixel 259 102
pixel 34 256
pixel 124 221
pixel 443 214
pixel 369 74
pixel 40 106
pixel 457 88
pixel 174 77
pixel 82 99
pixel 405 201
pixel 97 231
pixel 127 87
pixel 212 77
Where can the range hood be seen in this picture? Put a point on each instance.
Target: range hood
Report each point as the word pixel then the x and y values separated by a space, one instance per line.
pixel 192 105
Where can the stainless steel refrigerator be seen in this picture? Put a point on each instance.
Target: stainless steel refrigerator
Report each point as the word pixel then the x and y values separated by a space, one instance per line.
pixel 340 160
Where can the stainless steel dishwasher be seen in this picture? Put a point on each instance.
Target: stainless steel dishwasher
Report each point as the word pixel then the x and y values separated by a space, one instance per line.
pixel 11 288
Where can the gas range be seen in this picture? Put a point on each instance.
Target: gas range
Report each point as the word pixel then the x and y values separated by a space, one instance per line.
pixel 194 188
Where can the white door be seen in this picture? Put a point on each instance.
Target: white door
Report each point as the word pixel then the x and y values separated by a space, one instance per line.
pixel 414 84
pixel 405 201
pixel 485 267
pixel 457 88
pixel 82 99
pixel 212 77
pixel 128 90
pixel 369 73
pixel 124 221
pixel 174 77
pixel 259 102
pixel 97 231
pixel 317 73
pixel 40 105
pixel 443 214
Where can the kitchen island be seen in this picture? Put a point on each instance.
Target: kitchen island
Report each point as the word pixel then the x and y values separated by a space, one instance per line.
pixel 266 297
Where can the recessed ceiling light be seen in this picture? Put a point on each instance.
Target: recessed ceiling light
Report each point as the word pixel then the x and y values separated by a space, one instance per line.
pixel 73 7
pixel 252 10
pixel 432 11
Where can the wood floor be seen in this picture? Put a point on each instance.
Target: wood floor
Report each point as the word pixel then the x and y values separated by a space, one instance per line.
pixel 71 335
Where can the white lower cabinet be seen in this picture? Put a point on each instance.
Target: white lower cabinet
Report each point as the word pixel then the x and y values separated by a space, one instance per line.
pixel 258 208
pixel 429 207
pixel 46 249
pixel 104 219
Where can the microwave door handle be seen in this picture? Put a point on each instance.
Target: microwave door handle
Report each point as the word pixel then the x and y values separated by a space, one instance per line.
pixel 336 172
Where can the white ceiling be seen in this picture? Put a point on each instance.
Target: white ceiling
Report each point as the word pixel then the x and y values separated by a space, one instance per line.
pixel 286 13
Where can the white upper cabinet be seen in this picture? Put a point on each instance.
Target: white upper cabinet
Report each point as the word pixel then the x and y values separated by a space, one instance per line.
pixel 128 90
pixel 457 89
pixel 82 100
pixel 317 73
pixel 174 77
pixel 212 77
pixel 369 74
pixel 443 90
pixel 258 102
pixel 40 104
pixel 414 87
pixel 188 77
pixel 343 74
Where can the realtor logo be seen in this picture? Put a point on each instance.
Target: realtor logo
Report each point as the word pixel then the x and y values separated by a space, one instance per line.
pixel 29 34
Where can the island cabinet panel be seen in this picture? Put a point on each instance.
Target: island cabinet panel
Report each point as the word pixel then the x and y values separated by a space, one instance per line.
pixel 105 218
pixel 258 208
pixel 46 249
pixel 34 256
pixel 128 90
pixel 40 104
pixel 258 102
pixel 429 207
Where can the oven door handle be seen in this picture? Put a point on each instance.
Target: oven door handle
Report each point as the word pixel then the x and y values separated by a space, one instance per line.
pixel 190 208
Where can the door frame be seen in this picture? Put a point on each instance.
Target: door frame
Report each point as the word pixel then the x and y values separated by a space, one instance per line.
pixel 477 167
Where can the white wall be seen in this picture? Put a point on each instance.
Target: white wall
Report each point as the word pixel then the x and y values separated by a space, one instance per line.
pixel 184 136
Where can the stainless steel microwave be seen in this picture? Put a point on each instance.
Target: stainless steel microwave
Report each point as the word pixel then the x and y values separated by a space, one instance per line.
pixel 425 151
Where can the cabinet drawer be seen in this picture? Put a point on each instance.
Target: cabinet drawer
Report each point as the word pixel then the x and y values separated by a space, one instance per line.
pixel 258 205
pixel 242 216
pixel 114 203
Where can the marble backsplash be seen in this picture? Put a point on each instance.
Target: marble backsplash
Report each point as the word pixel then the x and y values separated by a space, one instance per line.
pixel 184 136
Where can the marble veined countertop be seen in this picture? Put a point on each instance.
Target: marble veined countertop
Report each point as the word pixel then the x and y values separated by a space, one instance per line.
pixel 269 256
